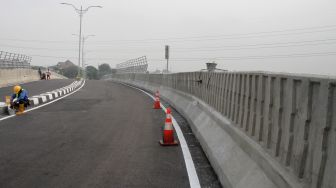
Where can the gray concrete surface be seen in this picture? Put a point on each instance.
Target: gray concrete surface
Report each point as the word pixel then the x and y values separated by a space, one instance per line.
pixel 281 125
pixel 105 135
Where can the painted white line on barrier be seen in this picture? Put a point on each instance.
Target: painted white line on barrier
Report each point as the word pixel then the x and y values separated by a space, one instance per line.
pixel 35 100
pixel 60 93
pixel 44 98
pixel 37 107
pixel 193 178
pixel 54 93
pixel 49 95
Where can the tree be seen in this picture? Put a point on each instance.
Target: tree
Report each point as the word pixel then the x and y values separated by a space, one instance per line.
pixel 104 69
pixel 92 73
pixel 70 72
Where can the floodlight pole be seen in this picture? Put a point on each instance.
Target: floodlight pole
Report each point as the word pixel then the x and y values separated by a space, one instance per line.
pixel 83 65
pixel 80 12
pixel 80 39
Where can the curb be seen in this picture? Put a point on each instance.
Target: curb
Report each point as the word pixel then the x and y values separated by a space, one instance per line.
pixel 37 100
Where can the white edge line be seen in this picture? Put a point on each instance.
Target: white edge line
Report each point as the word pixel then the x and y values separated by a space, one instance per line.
pixel 37 107
pixel 193 178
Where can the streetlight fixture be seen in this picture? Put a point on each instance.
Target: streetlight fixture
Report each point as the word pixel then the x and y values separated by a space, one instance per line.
pixel 80 12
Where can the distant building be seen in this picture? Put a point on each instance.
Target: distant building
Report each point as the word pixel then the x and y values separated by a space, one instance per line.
pixel 64 65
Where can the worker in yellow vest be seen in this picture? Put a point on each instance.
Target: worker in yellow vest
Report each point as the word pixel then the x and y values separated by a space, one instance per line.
pixel 19 99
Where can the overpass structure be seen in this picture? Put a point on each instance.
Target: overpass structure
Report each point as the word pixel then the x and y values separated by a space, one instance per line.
pixel 258 129
pixel 93 134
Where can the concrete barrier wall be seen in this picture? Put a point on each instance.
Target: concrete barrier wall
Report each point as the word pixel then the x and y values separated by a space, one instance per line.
pixel 13 76
pixel 290 118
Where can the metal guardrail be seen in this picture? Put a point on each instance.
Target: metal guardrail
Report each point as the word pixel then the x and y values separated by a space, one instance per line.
pixel 138 65
pixel 11 60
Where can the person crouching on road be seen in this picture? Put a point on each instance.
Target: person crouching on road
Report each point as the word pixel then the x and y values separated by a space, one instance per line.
pixel 19 99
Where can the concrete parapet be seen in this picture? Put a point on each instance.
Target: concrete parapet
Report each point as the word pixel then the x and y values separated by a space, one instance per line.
pixel 258 129
pixel 15 76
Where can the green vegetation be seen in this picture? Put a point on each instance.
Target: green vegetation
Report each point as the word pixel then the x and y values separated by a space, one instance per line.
pixel 70 70
pixel 92 73
pixel 104 69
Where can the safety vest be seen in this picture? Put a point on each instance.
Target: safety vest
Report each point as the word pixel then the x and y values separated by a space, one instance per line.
pixel 18 94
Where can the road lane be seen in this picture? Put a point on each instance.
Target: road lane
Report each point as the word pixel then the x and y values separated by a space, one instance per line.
pixel 105 135
pixel 36 87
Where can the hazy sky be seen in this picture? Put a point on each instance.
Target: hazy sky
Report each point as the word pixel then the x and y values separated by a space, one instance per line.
pixel 271 35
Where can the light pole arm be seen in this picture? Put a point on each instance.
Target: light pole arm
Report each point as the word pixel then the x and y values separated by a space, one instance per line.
pixel 87 36
pixel 76 9
pixel 92 7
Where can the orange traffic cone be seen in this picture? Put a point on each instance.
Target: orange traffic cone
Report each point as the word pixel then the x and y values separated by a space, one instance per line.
pixel 8 100
pixel 168 132
pixel 157 102
pixel 168 116
pixel 157 94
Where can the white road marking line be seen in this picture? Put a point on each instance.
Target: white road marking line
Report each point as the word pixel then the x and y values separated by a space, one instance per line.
pixel 193 178
pixel 37 107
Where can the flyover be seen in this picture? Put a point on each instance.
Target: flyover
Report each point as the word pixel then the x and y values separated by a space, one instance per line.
pixel 257 129
pixel 103 135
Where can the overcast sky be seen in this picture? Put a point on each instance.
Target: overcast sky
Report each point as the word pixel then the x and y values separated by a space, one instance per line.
pixel 270 35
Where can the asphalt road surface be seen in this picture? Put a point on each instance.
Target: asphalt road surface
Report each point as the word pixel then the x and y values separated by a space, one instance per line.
pixel 105 135
pixel 37 87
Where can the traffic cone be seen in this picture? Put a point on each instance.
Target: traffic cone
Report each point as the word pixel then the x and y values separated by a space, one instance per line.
pixel 157 103
pixel 21 109
pixel 8 100
pixel 168 116
pixel 168 132
pixel 157 94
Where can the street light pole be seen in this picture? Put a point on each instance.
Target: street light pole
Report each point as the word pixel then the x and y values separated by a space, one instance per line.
pixel 80 12
pixel 83 64
pixel 83 39
pixel 80 37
